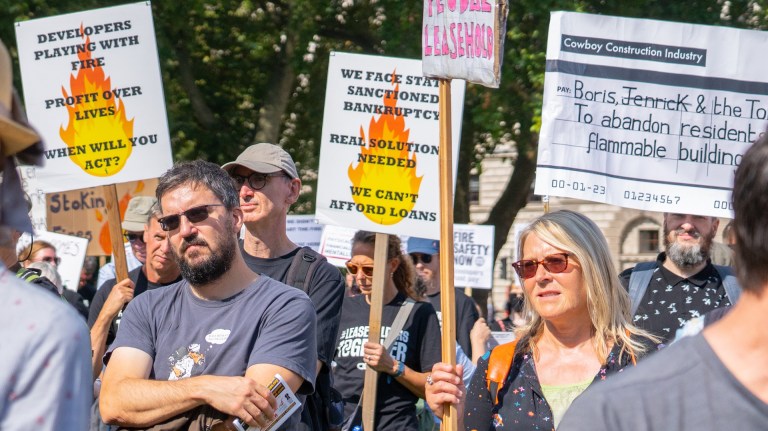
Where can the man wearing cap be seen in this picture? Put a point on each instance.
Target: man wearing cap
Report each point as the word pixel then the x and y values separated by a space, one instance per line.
pixel 135 218
pixel 160 269
pixel 45 376
pixel 268 185
pixel 425 255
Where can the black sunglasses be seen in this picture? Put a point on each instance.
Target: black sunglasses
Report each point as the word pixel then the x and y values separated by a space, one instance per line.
pixel 256 180
pixel 131 237
pixel 425 258
pixel 194 215
pixel 52 260
pixel 353 268
pixel 554 263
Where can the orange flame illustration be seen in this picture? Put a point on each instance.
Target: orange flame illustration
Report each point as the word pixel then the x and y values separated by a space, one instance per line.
pixel 384 181
pixel 104 240
pixel 98 134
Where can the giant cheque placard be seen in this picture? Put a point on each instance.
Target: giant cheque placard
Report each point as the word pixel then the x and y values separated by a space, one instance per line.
pixel 649 114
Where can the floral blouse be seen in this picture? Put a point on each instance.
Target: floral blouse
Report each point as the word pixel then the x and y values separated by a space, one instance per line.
pixel 522 405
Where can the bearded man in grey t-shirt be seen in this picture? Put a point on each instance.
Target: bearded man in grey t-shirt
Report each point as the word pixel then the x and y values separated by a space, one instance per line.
pixel 209 345
pixel 715 380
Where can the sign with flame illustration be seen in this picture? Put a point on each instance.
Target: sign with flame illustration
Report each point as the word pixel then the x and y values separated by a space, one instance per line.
pixel 83 212
pixel 93 90
pixel 464 39
pixel 380 141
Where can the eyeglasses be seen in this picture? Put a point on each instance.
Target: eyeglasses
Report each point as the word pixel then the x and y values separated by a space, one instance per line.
pixel 554 263
pixel 194 215
pixel 52 260
pixel 353 268
pixel 256 180
pixel 425 258
pixel 133 237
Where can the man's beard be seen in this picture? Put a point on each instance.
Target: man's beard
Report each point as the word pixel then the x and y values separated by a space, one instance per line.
pixel 687 256
pixel 211 268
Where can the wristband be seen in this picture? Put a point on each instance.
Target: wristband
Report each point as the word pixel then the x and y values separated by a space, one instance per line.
pixel 400 369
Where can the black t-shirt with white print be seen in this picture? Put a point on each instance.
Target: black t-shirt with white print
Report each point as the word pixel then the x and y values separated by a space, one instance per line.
pixel 418 346
pixel 671 300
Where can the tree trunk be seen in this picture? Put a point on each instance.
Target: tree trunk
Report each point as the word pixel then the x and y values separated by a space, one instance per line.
pixel 515 195
pixel 278 95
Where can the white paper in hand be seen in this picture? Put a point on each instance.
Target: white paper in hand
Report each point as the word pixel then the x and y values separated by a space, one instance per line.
pixel 287 405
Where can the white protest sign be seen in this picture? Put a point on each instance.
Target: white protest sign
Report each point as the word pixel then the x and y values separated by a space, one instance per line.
pixel 304 231
pixel 464 40
pixel 31 186
pixel 473 256
pixel 649 114
pixel 70 249
pixel 336 244
pixel 379 156
pixel 499 337
pixel 93 90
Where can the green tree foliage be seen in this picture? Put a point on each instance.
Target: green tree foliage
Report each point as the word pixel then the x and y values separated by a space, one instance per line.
pixel 239 72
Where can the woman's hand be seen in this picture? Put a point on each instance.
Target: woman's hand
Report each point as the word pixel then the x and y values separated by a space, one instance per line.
pixel 445 385
pixel 377 358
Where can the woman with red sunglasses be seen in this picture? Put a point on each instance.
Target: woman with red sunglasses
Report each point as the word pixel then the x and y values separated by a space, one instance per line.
pixel 579 332
pixel 404 366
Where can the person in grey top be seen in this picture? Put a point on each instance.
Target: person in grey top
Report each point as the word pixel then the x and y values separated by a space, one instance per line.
pixel 715 380
pixel 214 341
pixel 45 373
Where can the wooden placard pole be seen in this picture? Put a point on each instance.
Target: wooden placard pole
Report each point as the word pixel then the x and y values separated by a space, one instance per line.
pixel 374 327
pixel 447 291
pixel 115 231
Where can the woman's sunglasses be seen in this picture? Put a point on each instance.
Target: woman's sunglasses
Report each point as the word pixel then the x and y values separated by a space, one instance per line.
pixel 194 215
pixel 426 259
pixel 353 268
pixel 52 260
pixel 554 263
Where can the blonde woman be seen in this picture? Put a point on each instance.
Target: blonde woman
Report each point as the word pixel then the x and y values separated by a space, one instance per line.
pixel 579 333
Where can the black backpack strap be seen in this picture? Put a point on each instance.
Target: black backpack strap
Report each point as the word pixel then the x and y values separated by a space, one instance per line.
pixel 730 283
pixel 638 283
pixel 302 267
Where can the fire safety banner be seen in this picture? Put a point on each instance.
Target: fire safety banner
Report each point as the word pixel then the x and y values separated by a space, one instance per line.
pixel 379 166
pixel 92 88
pixel 645 114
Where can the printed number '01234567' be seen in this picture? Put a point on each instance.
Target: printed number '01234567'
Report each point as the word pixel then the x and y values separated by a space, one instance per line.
pixel 651 197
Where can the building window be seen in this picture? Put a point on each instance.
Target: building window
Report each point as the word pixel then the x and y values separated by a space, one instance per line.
pixel 649 241
pixel 474 189
pixel 503 273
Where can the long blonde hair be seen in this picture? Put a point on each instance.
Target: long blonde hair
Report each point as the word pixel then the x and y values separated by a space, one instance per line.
pixel 607 301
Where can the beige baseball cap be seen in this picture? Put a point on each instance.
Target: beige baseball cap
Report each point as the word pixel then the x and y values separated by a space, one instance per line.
pixel 137 213
pixel 264 158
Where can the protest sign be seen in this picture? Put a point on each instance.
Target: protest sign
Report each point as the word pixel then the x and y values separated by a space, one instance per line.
pixel 83 212
pixel 304 231
pixel 336 244
pixel 649 114
pixel 464 40
pixel 379 156
pixel 473 256
pixel 93 90
pixel 70 249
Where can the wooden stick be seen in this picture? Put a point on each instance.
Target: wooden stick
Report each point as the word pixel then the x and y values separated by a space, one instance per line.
pixel 115 231
pixel 447 291
pixel 380 275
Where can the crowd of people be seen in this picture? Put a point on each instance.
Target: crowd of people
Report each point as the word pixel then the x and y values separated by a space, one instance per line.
pixel 219 301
